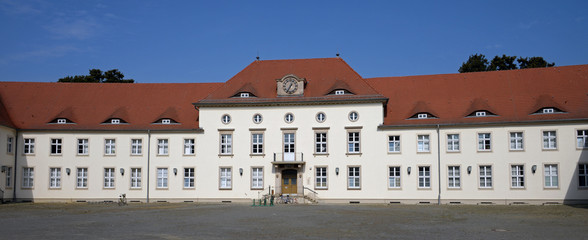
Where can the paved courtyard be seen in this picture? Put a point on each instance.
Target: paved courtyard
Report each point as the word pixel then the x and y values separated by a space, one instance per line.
pixel 232 221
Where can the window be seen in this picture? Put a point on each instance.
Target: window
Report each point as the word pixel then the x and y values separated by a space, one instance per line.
pixel 484 142
pixel 55 146
pixel 61 121
pixel 257 178
pixel 289 147
pixel 422 115
pixel 549 140
pixel 353 142
pixel 162 147
pixel 29 146
pixel 393 177
pixel 9 141
pixel 394 144
pixel 353 116
pixel 189 146
pixel 321 117
pixel 339 92
pixel 82 146
pixel 115 121
pixel 188 177
pixel 423 143
pixel 288 118
pixel 551 179
pixel 225 178
pixel 486 176
pixel 353 181
pixel 480 114
pixel 165 121
pixel 548 110
pixel 109 177
pixel 82 178
pixel 161 177
pixel 136 146
pixel 244 95
pixel 226 119
pixel 424 177
pixel 454 177
pixel 516 141
pixel 109 146
pixel 135 178
pixel 28 177
pixel 582 138
pixel 257 143
pixel 54 177
pixel 226 144
pixel 321 177
pixel 320 143
pixel 257 118
pixel 517 175
pixel 8 177
pixel 582 175
pixel 452 142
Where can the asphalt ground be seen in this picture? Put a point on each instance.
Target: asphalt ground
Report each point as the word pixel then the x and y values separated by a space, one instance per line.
pixel 237 221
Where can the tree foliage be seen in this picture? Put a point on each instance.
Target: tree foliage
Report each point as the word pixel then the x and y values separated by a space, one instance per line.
pixel 97 76
pixel 479 63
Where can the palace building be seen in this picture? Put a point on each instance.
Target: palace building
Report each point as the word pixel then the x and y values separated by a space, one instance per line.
pixel 311 128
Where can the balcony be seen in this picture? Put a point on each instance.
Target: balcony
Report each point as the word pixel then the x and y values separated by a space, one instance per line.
pixel 288 158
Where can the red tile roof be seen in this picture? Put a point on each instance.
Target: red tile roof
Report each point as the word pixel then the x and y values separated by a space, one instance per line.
pixel 34 105
pixel 512 95
pixel 321 75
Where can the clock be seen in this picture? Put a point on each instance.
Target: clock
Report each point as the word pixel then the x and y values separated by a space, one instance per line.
pixel 290 85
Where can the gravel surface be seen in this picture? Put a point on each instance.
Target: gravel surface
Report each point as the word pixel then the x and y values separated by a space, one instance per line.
pixel 232 221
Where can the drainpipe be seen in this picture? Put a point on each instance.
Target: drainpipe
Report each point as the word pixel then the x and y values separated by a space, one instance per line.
pixel 438 165
pixel 148 160
pixel 15 166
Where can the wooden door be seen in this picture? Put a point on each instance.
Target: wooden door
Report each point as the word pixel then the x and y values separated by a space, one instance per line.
pixel 289 182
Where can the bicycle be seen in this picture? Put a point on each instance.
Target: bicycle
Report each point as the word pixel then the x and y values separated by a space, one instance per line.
pixel 122 199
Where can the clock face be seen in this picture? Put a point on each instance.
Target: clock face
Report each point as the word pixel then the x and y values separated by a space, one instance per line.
pixel 290 85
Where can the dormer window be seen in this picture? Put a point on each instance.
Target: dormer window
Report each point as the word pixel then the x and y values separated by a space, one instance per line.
pixel 244 94
pixel 480 114
pixel 339 92
pixel 61 121
pixel 548 110
pixel 115 121
pixel 422 115
pixel 165 121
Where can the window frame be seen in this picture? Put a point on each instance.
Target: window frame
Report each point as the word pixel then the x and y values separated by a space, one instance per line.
pixel 581 139
pixel 228 178
pixel 9 144
pixel 517 140
pixel 318 186
pixel 453 144
pixel 28 178
pixel 136 147
pixel 189 178
pixel 85 146
pixel 55 178
pixel 355 178
pixel 426 143
pixel 321 141
pixel 549 139
pixel 257 143
pixel 484 144
pixel 454 173
pixel 190 146
pixel 109 178
pixel 551 172
pixel 8 178
pixel 487 184
pixel 226 119
pixel 582 174
pixel 82 179
pixel 519 176
pixel 225 146
pixel 162 178
pixel 424 177
pixel 320 117
pixel 394 144
pixel 257 118
pixel 289 118
pixel 110 146
pixel 396 177
pixel 162 147
pixel 136 178
pixel 353 142
pixel 257 176
pixel 28 146
pixel 57 145
pixel 353 116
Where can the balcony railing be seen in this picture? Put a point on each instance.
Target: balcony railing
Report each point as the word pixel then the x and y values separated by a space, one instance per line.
pixel 289 157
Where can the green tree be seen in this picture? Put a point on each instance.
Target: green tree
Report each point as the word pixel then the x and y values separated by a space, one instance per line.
pixel 502 63
pixel 97 76
pixel 534 62
pixel 475 63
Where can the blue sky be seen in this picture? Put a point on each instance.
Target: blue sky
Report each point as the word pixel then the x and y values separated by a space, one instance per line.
pixel 210 41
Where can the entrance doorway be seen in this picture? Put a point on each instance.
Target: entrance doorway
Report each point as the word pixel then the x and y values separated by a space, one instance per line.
pixel 289 184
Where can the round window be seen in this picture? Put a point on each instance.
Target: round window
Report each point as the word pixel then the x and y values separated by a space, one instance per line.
pixel 226 119
pixel 289 117
pixel 320 117
pixel 353 116
pixel 257 118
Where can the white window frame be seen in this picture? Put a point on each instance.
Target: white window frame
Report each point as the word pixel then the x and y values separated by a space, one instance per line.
pixel 56 146
pixel 551 175
pixel 226 119
pixel 289 118
pixel 394 177
pixel 339 92
pixel 83 145
pixel 423 143
pixel 485 176
pixel 453 142
pixel 549 140
pixel 321 178
pixel 61 121
pixel 29 146
pixel 321 117
pixel 484 141
pixel 353 116
pixel 189 146
pixel 82 178
pixel 353 177
pixel 516 141
pixel 321 142
pixel 244 95
pixel 28 177
pixel 424 177
pixel 109 175
pixel 115 121
pixel 548 110
pixel 54 178
pixel 257 118
pixel 354 142
pixel 110 146
pixel 257 143
pixel 189 178
pixel 225 178
pixel 8 183
pixel 517 176
pixel 256 177
pixel 581 138
pixel 136 146
pixel 583 175
pixel 453 177
pixel 162 177
pixel 135 178
pixel 226 144
pixel 166 121
pixel 162 146
pixel 393 143
pixel 9 144
pixel 422 115
pixel 480 114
